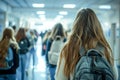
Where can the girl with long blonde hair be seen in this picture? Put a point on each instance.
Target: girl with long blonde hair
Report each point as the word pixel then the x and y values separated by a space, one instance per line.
pixel 8 41
pixel 87 33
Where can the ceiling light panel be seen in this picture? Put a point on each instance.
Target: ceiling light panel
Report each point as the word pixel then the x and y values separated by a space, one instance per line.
pixel 38 5
pixel 63 12
pixel 69 6
pixel 105 7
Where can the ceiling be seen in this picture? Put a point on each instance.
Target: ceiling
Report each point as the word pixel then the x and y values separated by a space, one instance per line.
pixel 24 8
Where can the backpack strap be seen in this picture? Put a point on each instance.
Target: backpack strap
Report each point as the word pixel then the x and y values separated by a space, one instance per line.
pixel 82 51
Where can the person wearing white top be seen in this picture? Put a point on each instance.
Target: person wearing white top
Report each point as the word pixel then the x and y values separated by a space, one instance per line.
pixel 87 33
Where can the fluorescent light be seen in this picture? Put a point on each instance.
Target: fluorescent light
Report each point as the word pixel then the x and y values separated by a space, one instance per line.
pixel 40 12
pixel 38 5
pixel 63 13
pixel 69 6
pixel 105 7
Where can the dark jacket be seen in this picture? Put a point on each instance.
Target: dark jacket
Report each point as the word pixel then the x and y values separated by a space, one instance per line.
pixel 24 45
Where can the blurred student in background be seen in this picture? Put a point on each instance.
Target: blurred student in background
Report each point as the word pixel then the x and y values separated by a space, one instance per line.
pixel 44 41
pixel 24 45
pixel 58 30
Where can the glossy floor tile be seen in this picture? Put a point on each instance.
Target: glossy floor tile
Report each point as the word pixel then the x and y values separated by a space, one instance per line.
pixel 37 72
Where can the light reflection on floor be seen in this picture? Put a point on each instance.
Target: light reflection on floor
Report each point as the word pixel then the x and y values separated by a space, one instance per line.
pixel 38 72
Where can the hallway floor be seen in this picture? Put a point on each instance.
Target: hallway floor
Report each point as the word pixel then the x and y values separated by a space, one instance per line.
pixel 37 72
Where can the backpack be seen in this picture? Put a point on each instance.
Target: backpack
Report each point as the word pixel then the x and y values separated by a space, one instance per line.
pixel 24 45
pixel 55 49
pixel 93 66
pixel 7 62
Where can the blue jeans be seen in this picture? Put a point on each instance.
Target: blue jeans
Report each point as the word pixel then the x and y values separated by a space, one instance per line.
pixel 21 73
pixel 33 53
pixel 8 77
pixel 52 72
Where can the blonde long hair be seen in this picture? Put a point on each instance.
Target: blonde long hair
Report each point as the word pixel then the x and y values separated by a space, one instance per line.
pixel 7 39
pixel 87 32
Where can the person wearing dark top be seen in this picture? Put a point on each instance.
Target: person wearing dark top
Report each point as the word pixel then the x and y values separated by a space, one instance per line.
pixel 24 45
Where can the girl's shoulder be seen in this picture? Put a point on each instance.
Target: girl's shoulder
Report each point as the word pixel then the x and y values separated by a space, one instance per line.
pixel 14 45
